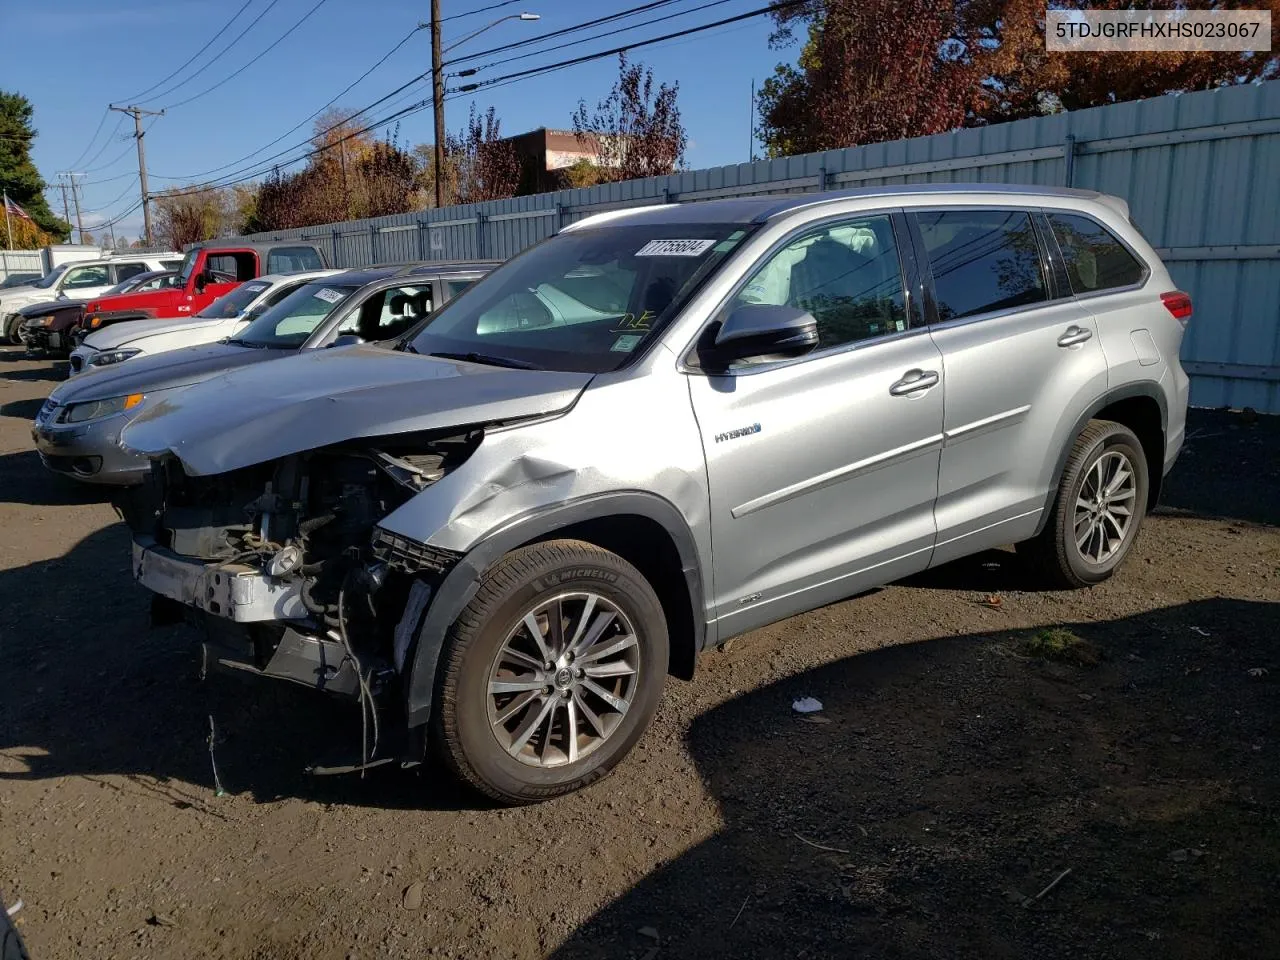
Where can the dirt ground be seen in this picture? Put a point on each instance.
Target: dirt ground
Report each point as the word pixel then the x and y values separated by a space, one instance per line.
pixel 964 760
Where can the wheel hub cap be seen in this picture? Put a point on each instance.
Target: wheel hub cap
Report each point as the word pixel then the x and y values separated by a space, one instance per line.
pixel 563 679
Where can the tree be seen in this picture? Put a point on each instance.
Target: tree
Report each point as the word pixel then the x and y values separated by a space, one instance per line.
pixel 19 177
pixel 484 166
pixel 886 69
pixel 634 131
pixel 1020 79
pixel 870 70
pixel 186 215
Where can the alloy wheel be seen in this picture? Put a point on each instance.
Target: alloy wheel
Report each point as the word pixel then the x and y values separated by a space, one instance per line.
pixel 563 679
pixel 1105 507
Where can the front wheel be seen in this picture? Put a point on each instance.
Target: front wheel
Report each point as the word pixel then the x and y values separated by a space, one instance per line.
pixel 1101 500
pixel 12 330
pixel 551 673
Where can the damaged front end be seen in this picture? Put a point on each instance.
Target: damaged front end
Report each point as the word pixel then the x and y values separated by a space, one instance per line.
pixel 281 563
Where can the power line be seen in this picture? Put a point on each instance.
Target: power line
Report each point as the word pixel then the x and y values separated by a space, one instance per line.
pixel 225 27
pixel 116 199
pixel 303 19
pixel 598 36
pixel 377 63
pixel 585 58
pixel 472 13
pixel 214 59
pixel 89 146
pixel 620 15
pixel 88 164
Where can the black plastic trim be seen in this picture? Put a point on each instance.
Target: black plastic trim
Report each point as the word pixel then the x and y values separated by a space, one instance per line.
pixel 455 591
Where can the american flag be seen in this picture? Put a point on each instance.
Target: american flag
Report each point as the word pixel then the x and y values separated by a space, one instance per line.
pixel 13 208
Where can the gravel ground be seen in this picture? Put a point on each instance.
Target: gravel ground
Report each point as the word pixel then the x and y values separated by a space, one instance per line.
pixel 965 758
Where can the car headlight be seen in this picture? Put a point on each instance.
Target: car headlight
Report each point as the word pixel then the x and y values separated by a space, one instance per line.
pixel 107 357
pixel 44 322
pixel 97 409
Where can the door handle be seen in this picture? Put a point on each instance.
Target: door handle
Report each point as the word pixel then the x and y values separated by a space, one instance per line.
pixel 1074 335
pixel 914 381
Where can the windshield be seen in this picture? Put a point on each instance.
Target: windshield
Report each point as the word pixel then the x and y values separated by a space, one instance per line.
pixel 581 301
pixel 188 264
pixel 236 302
pixel 293 319
pixel 50 278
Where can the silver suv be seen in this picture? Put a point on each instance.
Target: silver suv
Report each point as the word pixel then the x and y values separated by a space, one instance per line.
pixel 663 427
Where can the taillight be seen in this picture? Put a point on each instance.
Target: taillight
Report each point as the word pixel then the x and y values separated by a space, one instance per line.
pixel 1178 304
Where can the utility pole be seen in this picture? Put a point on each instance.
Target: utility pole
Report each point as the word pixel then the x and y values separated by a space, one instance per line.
pixel 138 133
pixel 437 98
pixel 66 211
pixel 75 199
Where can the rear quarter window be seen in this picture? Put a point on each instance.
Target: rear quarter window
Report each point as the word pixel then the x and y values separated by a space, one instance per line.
pixel 1095 258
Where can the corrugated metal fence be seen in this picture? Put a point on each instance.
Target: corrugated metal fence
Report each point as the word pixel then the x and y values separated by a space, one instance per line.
pixel 20 261
pixel 1201 173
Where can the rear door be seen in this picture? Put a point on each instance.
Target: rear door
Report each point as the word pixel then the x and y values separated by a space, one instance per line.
pixel 1020 356
pixel 823 469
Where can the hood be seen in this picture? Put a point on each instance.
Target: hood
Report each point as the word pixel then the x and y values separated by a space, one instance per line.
pixel 327 396
pixel 121 334
pixel 50 306
pixel 160 371
pixel 15 298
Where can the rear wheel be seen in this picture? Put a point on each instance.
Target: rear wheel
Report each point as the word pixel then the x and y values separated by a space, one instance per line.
pixel 1095 518
pixel 552 672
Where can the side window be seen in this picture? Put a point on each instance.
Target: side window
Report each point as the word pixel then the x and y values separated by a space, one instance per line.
pixel 847 275
pixel 1095 259
pixel 170 264
pixel 982 260
pixel 231 267
pixel 288 259
pixel 389 313
pixel 126 270
pixel 457 286
pixel 79 278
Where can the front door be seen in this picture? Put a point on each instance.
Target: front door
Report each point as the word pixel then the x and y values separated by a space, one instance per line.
pixel 1020 358
pixel 823 470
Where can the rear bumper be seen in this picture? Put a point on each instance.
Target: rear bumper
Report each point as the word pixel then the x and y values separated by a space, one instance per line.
pixel 236 592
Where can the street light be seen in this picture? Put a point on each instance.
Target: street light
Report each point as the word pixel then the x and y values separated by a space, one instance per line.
pixel 437 80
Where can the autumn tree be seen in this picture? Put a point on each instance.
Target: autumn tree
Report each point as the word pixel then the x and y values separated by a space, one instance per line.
pixel 20 179
pixel 877 70
pixel 483 165
pixel 189 214
pixel 870 70
pixel 635 131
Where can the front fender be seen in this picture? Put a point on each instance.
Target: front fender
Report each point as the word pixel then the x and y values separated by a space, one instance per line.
pixel 455 591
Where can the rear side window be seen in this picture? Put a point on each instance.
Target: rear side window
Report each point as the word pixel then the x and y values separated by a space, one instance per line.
pixel 982 261
pixel 1095 259
pixel 288 259
pixel 126 270
pixel 231 267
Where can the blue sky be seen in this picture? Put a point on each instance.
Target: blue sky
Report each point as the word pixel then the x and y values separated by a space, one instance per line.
pixel 118 48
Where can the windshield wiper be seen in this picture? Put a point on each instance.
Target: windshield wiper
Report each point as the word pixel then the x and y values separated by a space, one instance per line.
pixel 407 346
pixel 236 341
pixel 487 359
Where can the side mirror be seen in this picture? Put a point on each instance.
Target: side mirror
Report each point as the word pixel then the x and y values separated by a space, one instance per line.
pixel 764 330
pixel 347 340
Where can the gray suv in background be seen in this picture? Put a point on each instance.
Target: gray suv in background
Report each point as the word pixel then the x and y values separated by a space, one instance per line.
pixel 663 427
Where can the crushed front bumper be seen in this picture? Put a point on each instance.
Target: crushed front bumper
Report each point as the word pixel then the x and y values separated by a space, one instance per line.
pixel 234 591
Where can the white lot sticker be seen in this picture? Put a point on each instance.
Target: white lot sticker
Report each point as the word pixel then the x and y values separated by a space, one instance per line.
pixel 329 296
pixel 626 343
pixel 256 287
pixel 675 248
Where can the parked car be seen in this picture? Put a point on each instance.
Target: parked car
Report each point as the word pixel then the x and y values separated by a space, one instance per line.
pixel 48 327
pixel 77 430
pixel 18 280
pixel 218 321
pixel 208 271
pixel 83 280
pixel 661 428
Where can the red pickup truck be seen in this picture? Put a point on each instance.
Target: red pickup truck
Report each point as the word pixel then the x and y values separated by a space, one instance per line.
pixel 208 270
